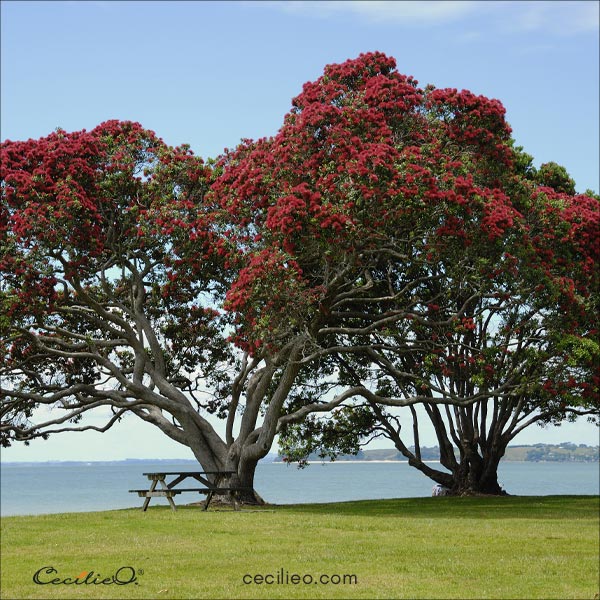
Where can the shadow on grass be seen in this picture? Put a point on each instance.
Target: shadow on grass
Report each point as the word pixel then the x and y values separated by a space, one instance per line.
pixel 496 507
pixel 490 507
pixel 585 508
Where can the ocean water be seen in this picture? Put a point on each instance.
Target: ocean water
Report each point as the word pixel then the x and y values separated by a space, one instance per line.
pixel 53 488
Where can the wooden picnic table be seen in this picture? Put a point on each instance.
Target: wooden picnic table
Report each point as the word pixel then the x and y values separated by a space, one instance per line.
pixel 210 480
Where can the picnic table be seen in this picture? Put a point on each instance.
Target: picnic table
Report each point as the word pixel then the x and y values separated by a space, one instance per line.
pixel 210 480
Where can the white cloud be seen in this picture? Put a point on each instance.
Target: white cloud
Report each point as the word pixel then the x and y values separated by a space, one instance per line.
pixel 504 16
pixel 558 18
pixel 407 12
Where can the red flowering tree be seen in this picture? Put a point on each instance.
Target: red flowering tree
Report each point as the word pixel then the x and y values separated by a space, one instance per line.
pixel 388 247
pixel 113 275
pixel 398 234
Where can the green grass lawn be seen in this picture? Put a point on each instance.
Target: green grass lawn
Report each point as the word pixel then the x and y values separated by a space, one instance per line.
pixel 509 547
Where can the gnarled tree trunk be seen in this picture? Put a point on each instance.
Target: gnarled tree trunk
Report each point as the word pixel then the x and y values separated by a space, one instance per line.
pixel 471 459
pixel 242 453
pixel 476 475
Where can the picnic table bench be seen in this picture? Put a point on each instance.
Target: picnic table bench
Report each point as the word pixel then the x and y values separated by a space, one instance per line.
pixel 210 480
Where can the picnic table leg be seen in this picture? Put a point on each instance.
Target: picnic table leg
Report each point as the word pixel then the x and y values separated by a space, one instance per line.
pixel 169 498
pixel 210 494
pixel 152 489
pixel 208 499
pixel 148 498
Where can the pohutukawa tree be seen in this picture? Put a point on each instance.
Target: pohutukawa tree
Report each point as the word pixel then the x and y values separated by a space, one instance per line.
pixel 113 267
pixel 404 237
pixel 388 247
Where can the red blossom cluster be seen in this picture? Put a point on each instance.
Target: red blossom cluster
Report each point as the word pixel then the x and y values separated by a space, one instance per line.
pixel 366 156
pixel 76 205
pixel 473 120
pixel 499 214
pixel 369 172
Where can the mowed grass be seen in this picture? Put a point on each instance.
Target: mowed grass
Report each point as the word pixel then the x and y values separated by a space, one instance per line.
pixel 509 547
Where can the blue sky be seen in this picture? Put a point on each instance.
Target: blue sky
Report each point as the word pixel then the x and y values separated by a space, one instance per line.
pixel 211 73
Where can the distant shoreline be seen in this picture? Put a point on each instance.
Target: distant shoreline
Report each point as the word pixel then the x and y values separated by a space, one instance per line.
pixel 351 462
pixel 567 452
pixel 59 463
pixel 564 452
pixel 367 461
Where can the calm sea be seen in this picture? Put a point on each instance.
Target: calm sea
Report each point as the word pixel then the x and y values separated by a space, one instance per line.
pixel 52 488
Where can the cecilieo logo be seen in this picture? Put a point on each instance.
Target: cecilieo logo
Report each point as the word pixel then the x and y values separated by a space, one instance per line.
pixel 123 576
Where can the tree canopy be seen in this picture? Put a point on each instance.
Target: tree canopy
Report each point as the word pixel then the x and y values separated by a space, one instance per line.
pixel 113 280
pixel 422 255
pixel 389 247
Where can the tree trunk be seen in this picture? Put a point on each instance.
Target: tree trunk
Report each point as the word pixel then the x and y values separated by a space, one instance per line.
pixel 471 474
pixel 477 474
pixel 468 481
pixel 242 454
pixel 215 455
pixel 475 469
pixel 243 477
pixel 246 470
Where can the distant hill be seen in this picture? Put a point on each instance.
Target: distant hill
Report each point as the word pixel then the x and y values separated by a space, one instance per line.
pixel 565 452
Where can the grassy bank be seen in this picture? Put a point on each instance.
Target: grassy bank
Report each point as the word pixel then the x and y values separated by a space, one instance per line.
pixel 510 547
